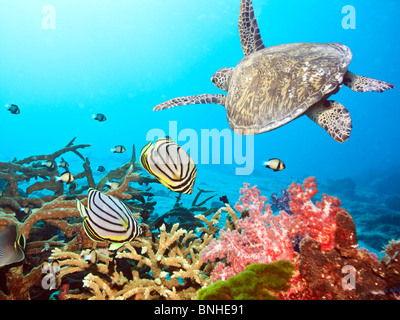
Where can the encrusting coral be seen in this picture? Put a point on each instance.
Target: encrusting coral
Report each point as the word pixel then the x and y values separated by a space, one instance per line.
pixel 257 282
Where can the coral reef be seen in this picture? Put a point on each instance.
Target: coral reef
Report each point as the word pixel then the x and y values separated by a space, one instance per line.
pixel 53 230
pixel 184 250
pixel 319 238
pixel 165 267
pixel 256 282
pixel 274 236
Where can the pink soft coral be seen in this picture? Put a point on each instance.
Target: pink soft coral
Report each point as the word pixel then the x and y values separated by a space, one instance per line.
pixel 316 221
pixel 262 237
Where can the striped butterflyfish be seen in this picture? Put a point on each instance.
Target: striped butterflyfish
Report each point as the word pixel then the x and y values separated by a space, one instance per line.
pixel 170 164
pixel 108 219
pixel 11 246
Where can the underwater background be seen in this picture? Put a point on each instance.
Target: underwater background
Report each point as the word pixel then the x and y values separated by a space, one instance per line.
pixel 123 57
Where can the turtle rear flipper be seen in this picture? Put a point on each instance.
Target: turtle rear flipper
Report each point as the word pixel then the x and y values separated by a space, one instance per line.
pixel 364 84
pixel 333 117
pixel 249 32
pixel 198 99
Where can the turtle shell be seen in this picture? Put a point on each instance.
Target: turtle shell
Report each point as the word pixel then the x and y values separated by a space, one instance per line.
pixel 276 85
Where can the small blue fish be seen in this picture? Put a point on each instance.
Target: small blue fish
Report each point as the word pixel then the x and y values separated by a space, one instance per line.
pixel 99 117
pixel 13 108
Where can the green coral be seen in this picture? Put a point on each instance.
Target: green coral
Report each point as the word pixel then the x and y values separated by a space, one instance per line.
pixel 256 282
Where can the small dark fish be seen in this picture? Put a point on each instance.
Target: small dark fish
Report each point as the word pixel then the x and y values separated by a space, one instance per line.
pixel 26 210
pixel 138 197
pixel 145 214
pixel 99 117
pixel 159 223
pixel 13 108
pixel 112 185
pixel 90 257
pixel 275 164
pixel 101 169
pixel 72 186
pixel 66 177
pixel 224 199
pixel 49 164
pixel 63 164
pixel 118 149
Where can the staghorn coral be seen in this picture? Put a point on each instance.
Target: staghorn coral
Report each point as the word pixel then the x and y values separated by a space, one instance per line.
pixel 165 267
pixel 28 168
pixel 169 267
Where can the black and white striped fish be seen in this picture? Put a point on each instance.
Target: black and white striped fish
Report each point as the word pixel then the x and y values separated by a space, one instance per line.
pixel 170 164
pixel 108 219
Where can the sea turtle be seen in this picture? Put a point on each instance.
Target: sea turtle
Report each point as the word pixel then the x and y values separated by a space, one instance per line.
pixel 272 86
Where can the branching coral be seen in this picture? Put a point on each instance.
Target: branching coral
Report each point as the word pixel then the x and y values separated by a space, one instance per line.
pixel 28 168
pixel 167 268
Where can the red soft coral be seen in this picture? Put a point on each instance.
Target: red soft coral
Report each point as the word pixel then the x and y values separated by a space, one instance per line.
pixel 316 221
pixel 262 237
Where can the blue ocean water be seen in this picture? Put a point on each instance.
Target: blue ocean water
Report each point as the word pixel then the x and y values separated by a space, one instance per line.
pixel 123 57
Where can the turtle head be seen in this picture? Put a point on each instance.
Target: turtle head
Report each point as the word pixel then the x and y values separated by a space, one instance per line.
pixel 222 78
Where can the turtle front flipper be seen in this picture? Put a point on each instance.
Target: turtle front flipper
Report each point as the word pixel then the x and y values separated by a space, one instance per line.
pixel 249 32
pixel 199 99
pixel 333 117
pixel 364 84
